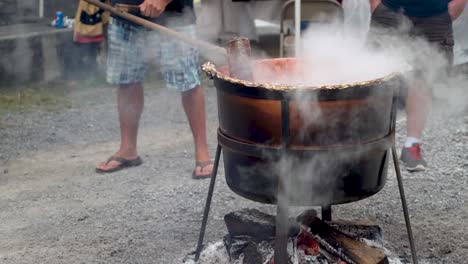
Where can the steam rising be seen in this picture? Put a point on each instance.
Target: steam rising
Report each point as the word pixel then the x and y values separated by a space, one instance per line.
pixel 333 55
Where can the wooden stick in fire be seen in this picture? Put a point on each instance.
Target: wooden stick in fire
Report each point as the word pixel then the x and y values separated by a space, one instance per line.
pixel 237 55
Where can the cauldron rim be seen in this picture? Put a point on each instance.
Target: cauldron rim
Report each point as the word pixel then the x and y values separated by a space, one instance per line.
pixel 212 71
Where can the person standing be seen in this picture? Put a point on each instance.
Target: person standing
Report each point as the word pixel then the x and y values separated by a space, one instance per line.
pixel 431 20
pixel 131 47
pixel 89 36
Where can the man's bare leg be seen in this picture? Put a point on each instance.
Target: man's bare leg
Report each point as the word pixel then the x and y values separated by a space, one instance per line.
pixel 130 101
pixel 418 106
pixel 193 102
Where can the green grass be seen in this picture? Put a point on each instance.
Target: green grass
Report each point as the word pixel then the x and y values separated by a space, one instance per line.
pixel 44 96
pixel 55 97
pixel 28 99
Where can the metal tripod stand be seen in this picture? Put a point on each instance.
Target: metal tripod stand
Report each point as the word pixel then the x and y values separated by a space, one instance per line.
pixel 281 239
pixel 281 256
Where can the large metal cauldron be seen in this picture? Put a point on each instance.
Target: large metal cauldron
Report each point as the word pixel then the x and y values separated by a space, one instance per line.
pixel 330 144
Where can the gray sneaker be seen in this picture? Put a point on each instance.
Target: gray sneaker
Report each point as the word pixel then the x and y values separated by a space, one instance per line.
pixel 412 158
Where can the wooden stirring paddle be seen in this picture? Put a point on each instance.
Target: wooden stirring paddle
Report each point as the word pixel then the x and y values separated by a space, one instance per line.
pixel 237 56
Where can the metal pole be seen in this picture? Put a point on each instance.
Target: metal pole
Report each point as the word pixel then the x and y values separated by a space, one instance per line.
pixel 327 213
pixel 208 203
pixel 297 28
pixel 282 195
pixel 281 227
pixel 41 8
pixel 404 205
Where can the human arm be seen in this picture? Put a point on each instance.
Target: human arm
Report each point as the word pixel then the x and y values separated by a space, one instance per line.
pixel 153 8
pixel 456 7
pixel 374 4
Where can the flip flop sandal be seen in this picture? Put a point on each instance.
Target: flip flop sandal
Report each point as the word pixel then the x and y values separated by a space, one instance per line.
pixel 124 163
pixel 202 165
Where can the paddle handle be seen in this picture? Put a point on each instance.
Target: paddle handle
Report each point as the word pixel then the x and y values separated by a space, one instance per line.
pixel 161 29
pixel 127 8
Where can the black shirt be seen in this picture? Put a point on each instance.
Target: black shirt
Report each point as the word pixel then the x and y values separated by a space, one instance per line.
pixel 419 8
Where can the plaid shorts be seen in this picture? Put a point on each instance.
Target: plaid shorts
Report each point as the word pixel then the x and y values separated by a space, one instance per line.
pixel 132 49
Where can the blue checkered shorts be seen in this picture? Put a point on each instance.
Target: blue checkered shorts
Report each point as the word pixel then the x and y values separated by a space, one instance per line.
pixel 132 49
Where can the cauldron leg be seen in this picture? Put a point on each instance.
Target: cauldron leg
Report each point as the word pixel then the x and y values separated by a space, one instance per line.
pixel 404 205
pixel 327 213
pixel 282 199
pixel 208 203
pixel 282 222
pixel 281 240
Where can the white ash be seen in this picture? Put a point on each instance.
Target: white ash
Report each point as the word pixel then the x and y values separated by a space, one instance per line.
pixel 392 258
pixel 213 253
pixel 216 253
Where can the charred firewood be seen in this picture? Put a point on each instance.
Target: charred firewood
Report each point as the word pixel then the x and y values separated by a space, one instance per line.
pixel 307 217
pixel 244 247
pixel 255 224
pixel 236 245
pixel 359 229
pixel 251 254
pixel 345 247
pixel 232 248
pixel 252 223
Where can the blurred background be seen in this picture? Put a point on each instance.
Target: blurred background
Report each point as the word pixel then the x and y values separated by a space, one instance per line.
pixel 35 51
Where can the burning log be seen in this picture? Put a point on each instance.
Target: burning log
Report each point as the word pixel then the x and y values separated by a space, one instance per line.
pixel 252 254
pixel 359 229
pixel 310 240
pixel 336 242
pixel 307 243
pixel 249 230
pixel 243 248
pixel 255 224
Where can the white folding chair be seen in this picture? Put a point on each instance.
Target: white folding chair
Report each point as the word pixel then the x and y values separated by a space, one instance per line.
pixel 313 12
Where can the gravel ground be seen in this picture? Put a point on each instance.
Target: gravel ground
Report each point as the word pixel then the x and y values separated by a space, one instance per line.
pixel 55 209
